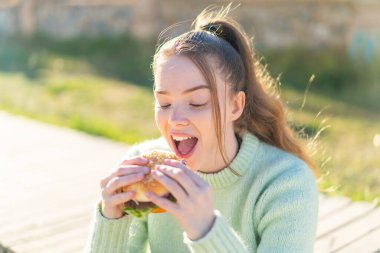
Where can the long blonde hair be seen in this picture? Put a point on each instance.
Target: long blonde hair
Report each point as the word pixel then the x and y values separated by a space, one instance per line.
pixel 216 35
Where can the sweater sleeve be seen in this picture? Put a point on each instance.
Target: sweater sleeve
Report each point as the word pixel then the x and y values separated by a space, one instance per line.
pixel 123 235
pixel 221 238
pixel 287 213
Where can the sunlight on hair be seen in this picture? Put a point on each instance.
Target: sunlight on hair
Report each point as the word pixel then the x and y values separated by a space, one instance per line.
pixel 307 91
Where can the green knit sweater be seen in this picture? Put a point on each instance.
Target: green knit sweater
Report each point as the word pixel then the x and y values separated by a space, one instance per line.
pixel 271 208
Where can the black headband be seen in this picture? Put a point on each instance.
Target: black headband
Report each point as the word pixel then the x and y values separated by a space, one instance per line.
pixel 222 32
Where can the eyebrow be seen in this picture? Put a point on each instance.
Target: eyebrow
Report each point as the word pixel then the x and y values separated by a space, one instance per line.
pixel 186 91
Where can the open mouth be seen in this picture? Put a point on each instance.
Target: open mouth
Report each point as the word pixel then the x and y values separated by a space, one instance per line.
pixel 184 146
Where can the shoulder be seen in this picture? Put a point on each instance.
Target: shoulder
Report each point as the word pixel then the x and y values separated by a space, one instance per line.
pixel 146 146
pixel 277 164
pixel 285 180
pixel 284 175
pixel 267 164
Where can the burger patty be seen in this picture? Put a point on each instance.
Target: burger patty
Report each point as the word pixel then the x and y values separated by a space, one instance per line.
pixel 134 205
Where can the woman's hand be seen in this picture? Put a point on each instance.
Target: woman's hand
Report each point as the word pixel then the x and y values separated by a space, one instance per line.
pixel 194 208
pixel 128 172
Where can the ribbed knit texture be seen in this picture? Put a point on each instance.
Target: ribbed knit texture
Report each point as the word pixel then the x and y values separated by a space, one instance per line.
pixel 271 208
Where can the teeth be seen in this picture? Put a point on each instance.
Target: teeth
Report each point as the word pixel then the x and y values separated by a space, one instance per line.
pixel 181 138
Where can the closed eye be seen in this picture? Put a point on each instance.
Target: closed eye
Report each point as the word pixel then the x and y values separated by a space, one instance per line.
pixel 163 106
pixel 198 105
pixel 192 105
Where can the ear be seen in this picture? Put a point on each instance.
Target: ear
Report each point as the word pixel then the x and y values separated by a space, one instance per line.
pixel 237 105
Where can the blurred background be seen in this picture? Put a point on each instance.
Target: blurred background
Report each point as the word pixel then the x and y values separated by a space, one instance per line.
pixel 85 65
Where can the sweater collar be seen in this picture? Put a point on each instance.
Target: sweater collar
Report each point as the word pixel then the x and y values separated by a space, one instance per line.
pixel 240 164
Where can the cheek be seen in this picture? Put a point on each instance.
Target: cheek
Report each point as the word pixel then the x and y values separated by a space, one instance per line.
pixel 161 119
pixel 204 122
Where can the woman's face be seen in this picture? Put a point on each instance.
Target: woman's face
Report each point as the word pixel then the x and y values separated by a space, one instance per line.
pixel 184 114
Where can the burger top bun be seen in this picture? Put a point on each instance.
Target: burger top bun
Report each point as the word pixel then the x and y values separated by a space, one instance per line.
pixel 148 183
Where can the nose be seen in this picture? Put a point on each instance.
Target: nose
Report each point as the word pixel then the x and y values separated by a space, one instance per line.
pixel 178 118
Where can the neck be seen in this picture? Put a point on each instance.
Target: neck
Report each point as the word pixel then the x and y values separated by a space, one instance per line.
pixel 231 146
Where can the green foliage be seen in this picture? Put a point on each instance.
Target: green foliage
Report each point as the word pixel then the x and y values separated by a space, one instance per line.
pixel 91 104
pixel 308 129
pixel 337 75
pixel 124 58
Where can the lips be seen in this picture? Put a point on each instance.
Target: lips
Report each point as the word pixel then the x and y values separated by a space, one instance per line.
pixel 184 144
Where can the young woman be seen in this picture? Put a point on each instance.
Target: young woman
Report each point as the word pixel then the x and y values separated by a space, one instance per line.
pixel 247 185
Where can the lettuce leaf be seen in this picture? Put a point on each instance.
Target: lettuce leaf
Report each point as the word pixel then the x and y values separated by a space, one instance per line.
pixel 141 213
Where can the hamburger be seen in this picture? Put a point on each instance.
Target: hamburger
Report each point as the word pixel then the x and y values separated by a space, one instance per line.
pixel 140 206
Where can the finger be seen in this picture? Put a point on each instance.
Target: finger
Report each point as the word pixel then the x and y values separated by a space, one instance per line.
pixel 197 179
pixel 171 185
pixel 135 160
pixel 120 198
pixel 118 182
pixel 127 169
pixel 179 175
pixel 164 203
pixel 123 170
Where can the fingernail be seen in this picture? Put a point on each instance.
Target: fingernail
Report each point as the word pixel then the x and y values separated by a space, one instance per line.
pixel 157 173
